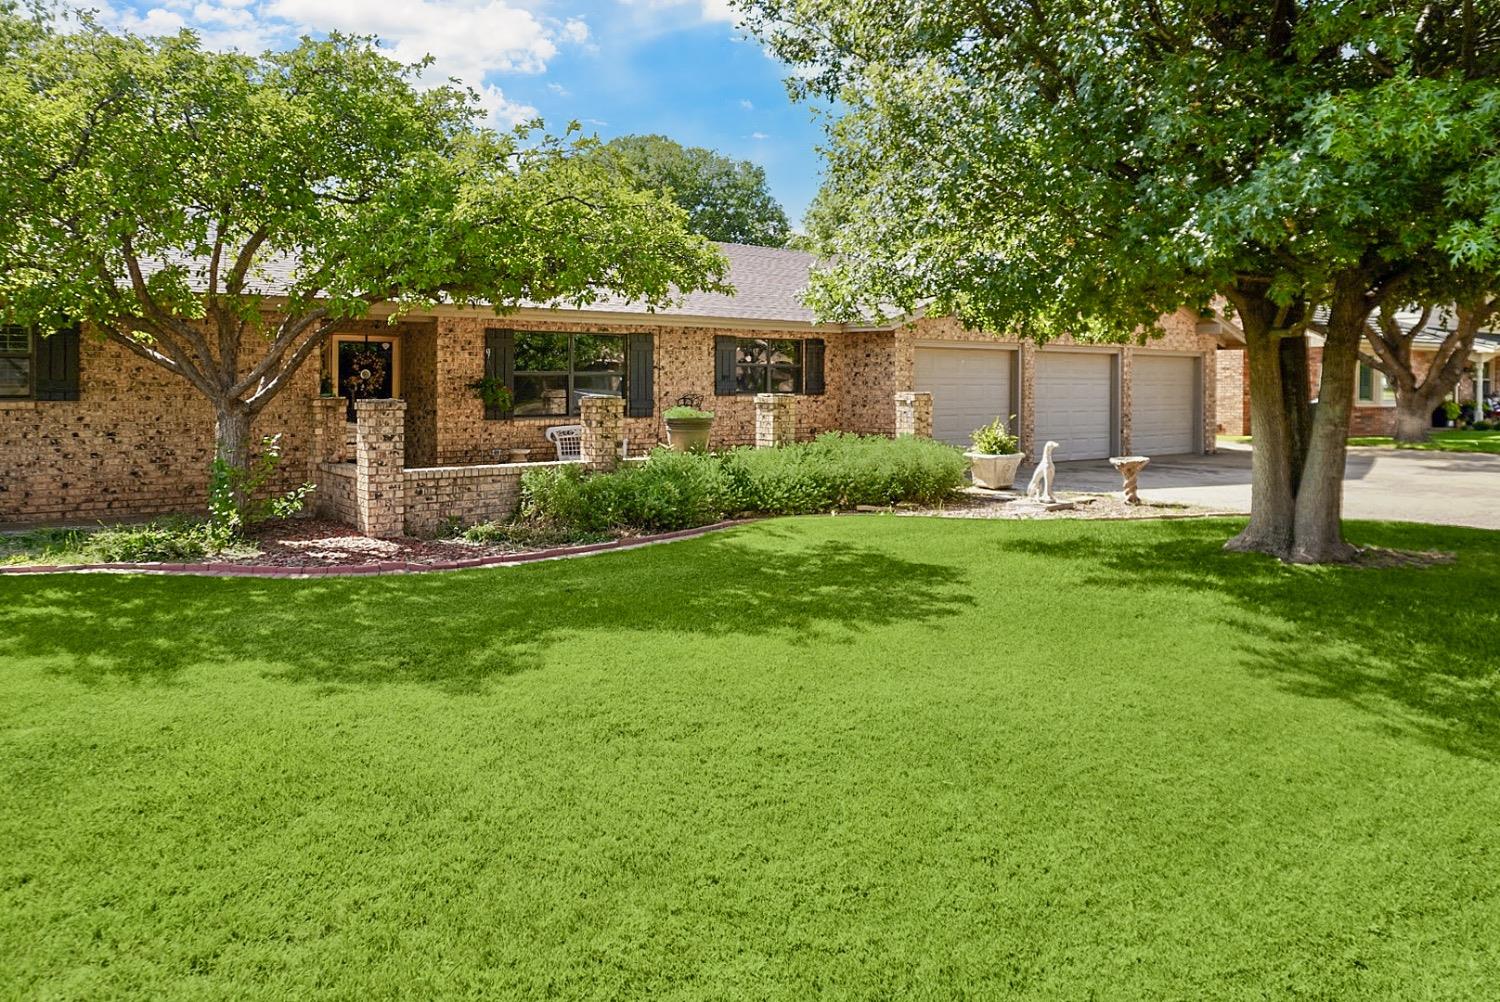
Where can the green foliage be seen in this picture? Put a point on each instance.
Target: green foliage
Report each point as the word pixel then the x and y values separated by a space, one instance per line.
pixel 1085 168
pixel 153 543
pixel 725 199
pixel 1452 410
pixel 994 439
pixel 236 497
pixel 682 413
pixel 674 490
pixel 166 540
pixel 527 535
pixel 494 393
pixel 149 185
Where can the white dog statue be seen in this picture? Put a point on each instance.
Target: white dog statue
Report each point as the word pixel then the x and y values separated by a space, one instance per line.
pixel 1041 481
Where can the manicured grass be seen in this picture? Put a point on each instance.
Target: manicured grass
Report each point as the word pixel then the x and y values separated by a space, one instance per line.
pixel 860 757
pixel 1441 441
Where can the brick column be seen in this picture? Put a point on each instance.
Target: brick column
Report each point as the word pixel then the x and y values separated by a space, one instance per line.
pixel 775 419
pixel 603 421
pixel 328 431
pixel 1027 432
pixel 380 460
pixel 914 415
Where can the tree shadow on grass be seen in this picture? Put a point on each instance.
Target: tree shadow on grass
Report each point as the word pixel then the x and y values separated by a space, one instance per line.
pixel 1417 647
pixel 459 631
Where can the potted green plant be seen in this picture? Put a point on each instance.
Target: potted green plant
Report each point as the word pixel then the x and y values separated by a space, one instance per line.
pixel 995 456
pixel 495 394
pixel 688 428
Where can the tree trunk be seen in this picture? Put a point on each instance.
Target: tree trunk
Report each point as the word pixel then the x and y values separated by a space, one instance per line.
pixel 1318 535
pixel 1413 416
pixel 1295 381
pixel 232 436
pixel 1272 504
pixel 232 446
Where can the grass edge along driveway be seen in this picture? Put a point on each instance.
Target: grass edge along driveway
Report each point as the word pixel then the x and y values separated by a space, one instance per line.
pixel 865 757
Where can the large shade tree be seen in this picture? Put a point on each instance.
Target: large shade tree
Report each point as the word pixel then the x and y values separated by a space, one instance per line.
pixel 1084 166
pixel 725 199
pixel 148 187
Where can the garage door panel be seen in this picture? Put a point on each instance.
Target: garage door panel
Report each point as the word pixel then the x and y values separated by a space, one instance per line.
pixel 1075 403
pixel 1164 404
pixel 970 387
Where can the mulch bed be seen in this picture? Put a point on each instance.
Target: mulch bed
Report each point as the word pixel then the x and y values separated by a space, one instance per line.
pixel 320 543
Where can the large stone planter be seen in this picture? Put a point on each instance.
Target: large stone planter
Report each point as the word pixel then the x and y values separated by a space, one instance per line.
pixel 995 472
pixel 689 434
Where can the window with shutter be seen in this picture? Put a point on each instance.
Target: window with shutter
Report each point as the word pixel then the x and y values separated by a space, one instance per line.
pixel 15 361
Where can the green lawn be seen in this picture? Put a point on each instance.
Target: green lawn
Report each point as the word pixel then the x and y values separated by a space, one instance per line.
pixel 867 758
pixel 1441 441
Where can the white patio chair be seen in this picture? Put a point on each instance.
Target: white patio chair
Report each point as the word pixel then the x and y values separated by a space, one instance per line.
pixel 568 440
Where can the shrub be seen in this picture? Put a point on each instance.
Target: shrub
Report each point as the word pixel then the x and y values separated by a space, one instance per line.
pixel 674 490
pixel 152 543
pixel 681 413
pixel 234 501
pixel 994 439
pixel 526 534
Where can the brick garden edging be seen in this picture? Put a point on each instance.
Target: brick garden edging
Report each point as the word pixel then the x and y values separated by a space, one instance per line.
pixel 382 567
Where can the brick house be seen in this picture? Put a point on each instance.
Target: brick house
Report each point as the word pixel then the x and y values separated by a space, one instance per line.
pixel 89 431
pixel 1374 410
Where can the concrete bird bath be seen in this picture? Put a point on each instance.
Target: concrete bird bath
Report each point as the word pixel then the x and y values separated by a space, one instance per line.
pixel 1130 468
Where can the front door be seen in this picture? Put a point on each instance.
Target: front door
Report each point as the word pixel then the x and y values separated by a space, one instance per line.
pixel 365 369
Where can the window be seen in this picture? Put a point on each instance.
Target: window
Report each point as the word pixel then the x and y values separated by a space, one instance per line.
pixel 1372 388
pixel 15 361
pixel 765 365
pixel 553 371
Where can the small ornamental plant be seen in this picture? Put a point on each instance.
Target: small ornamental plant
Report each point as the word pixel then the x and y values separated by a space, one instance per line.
pixel 495 394
pixel 681 413
pixel 994 439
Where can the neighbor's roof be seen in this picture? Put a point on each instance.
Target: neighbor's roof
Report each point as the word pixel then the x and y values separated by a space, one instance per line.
pixel 768 283
pixel 1440 324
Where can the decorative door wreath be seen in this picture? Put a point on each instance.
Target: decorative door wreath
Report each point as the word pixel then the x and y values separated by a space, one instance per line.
pixel 368 374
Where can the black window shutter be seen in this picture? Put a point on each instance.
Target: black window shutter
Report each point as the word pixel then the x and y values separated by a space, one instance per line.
pixel 812 366
pixel 57 365
pixel 725 349
pixel 499 363
pixel 640 359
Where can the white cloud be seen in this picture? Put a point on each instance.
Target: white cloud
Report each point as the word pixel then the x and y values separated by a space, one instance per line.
pixel 559 90
pixel 759 135
pixel 469 40
pixel 747 104
pixel 501 109
pixel 708 10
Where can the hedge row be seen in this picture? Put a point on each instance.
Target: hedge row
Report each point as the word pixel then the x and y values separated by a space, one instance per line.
pixel 674 490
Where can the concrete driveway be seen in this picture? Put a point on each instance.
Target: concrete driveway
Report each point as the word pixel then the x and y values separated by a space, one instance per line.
pixel 1444 488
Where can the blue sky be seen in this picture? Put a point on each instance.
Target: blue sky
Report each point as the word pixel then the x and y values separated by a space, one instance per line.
pixel 677 67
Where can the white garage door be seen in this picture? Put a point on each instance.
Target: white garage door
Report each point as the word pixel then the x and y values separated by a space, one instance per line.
pixel 1074 403
pixel 1163 397
pixel 970 387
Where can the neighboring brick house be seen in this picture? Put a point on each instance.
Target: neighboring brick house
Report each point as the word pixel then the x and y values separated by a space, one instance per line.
pixel 1374 410
pixel 115 436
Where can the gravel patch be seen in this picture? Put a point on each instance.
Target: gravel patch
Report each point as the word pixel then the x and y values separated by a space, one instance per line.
pixel 975 502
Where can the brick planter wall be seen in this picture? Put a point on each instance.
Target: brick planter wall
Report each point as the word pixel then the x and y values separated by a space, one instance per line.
pixel 468 495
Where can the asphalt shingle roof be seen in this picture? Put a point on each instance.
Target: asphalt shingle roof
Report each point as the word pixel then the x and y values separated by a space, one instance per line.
pixel 768 283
